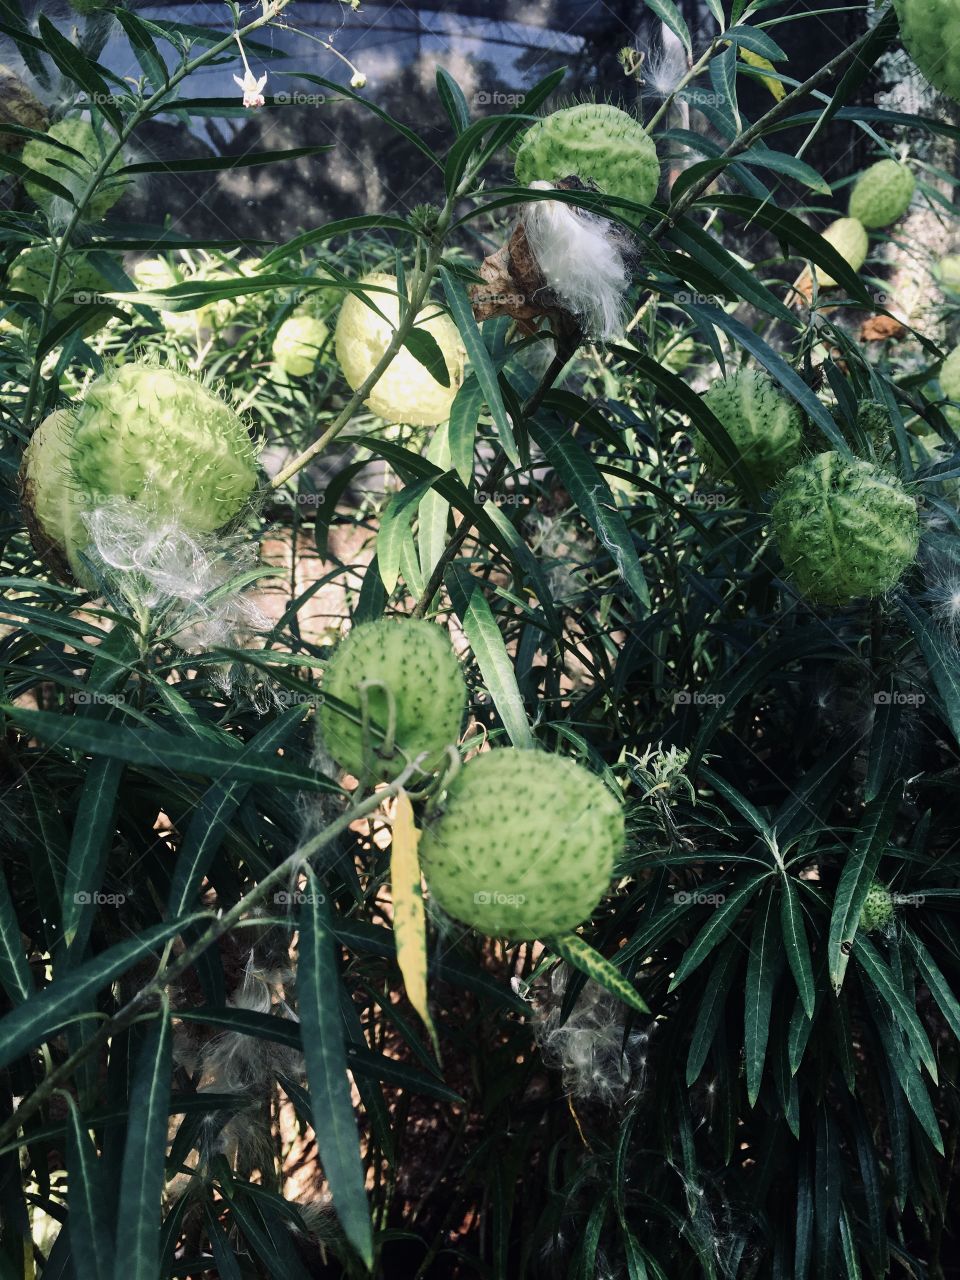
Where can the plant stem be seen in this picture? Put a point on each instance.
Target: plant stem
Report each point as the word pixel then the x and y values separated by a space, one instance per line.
pixel 106 160
pixel 137 1006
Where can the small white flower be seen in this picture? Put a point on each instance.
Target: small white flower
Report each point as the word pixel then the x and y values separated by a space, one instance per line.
pixel 252 89
pixel 358 80
pixel 252 86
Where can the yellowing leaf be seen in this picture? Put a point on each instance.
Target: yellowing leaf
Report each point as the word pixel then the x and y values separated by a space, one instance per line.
pixel 409 922
pixel 757 60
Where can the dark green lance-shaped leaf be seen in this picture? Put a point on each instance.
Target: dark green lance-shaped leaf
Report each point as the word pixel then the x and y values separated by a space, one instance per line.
pixel 454 103
pixel 31 1023
pixel 158 749
pixel 489 649
pixel 14 970
pixel 577 952
pixel 217 164
pixel 88 75
pixel 596 504
pixel 424 347
pixel 464 415
pixel 895 1001
pixel 462 312
pixel 670 16
pixel 212 816
pixel 717 927
pixel 937 984
pixel 326 1060
pixel 394 528
pixel 142 1179
pixel 763 964
pixel 90 843
pixel 856 878
pixel 711 1007
pixel 146 52
pixel 795 943
pixel 91 1221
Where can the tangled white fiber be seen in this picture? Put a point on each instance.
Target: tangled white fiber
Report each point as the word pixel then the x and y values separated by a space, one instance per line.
pixel 188 575
pixel 583 259
pixel 597 1060
pixel 238 1063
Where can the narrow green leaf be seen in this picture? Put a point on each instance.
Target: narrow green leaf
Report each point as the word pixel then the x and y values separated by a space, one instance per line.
pixel 572 948
pixel 896 1002
pixel 326 1061
pixel 762 968
pixel 91 1224
pixel 433 513
pixel 796 944
pixel 142 1179
pixel 158 749
pixel 462 312
pixel 477 620
pixel 937 984
pixel 14 971
pixel 597 505
pixel 711 1007
pixel 856 878
pixel 394 527
pixel 218 164
pixel 31 1023
pixel 454 103
pixel 90 845
pixel 670 16
pixel 716 928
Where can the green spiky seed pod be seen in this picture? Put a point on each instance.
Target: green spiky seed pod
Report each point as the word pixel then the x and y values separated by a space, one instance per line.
pixel 74 172
pixel 50 499
pixel 950 375
pixel 765 426
pixel 147 434
pixel 930 31
pixel 20 107
pixel 849 237
pixel 882 194
pixel 79 282
pixel 877 909
pixel 947 272
pixel 846 528
pixel 406 392
pixel 599 144
pixel 296 348
pixel 873 419
pixel 533 867
pixel 417 663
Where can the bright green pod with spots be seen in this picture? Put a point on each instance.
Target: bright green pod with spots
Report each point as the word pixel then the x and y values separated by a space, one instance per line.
pixel 877 909
pixel 846 528
pixel 147 434
pixel 597 143
pixel 764 425
pixel 75 171
pixel 417 663
pixel 930 31
pixel 296 348
pixel 79 282
pixel 524 845
pixel 882 194
pixel 849 237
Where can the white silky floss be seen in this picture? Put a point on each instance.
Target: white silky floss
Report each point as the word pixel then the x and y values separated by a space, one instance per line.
pixel 582 259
